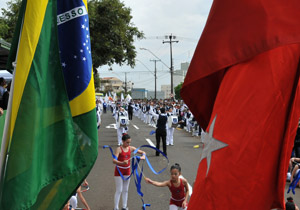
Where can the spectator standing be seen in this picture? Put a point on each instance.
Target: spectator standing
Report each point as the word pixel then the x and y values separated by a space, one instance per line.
pixel 2 89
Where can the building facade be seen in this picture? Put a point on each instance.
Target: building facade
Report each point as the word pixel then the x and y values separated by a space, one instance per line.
pixel 159 95
pixel 111 84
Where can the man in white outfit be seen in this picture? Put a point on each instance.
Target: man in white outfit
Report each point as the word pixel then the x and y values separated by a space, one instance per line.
pixel 120 129
pixel 170 129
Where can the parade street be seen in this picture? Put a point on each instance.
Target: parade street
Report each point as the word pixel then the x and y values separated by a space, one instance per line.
pixel 101 181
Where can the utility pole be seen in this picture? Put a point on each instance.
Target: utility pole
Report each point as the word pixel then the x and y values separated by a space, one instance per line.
pixel 171 67
pixel 126 82
pixel 155 77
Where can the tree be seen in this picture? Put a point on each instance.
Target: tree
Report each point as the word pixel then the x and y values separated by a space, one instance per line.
pixel 177 90
pixel 97 81
pixel 111 30
pixel 112 33
pixel 9 19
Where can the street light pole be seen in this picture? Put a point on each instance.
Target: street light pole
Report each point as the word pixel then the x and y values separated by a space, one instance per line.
pixel 155 77
pixel 142 48
pixel 171 67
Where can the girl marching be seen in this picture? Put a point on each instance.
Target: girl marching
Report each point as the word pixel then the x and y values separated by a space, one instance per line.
pixel 178 187
pixel 122 161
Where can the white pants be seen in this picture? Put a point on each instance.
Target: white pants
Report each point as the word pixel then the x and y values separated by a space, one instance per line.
pixel 121 188
pixel 148 118
pixel 174 207
pixel 73 201
pixel 188 126
pixel 170 133
pixel 120 131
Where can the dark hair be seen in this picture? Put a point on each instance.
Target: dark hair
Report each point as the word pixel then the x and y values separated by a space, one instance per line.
pixel 125 136
pixel 162 110
pixel 2 81
pixel 176 166
pixel 290 206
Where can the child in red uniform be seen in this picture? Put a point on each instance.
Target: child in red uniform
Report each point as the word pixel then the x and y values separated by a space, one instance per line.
pixel 178 186
pixel 123 154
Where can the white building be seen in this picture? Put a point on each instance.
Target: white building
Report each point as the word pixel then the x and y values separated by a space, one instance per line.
pixel 167 90
pixel 159 95
pixel 178 77
pixel 112 84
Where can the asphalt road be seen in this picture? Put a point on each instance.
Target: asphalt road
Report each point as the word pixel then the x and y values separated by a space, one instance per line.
pixel 101 179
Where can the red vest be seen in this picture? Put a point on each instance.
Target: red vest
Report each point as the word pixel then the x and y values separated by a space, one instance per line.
pixel 178 194
pixel 124 169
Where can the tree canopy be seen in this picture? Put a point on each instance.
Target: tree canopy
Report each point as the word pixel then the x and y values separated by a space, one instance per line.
pixel 111 29
pixel 112 33
pixel 177 90
pixel 8 19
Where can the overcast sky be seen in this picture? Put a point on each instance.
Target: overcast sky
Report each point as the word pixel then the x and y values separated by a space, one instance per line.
pixel 3 3
pixel 157 18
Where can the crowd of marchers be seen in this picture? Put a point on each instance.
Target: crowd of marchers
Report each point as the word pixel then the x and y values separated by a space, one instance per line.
pixel 165 116
pixel 178 115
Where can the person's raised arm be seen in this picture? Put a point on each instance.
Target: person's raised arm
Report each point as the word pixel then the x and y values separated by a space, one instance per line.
pixel 143 153
pixel 158 184
pixel 151 111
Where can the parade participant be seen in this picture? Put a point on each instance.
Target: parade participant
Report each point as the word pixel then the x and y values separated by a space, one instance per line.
pixel 188 118
pixel 144 116
pixel 290 205
pixel 148 115
pixel 104 107
pixel 73 200
pixel 98 115
pixel 120 129
pixel 153 121
pixel 178 187
pixel 136 109
pixel 130 110
pixel 161 127
pixel 170 129
pixel 294 172
pixel 122 162
pixel 67 206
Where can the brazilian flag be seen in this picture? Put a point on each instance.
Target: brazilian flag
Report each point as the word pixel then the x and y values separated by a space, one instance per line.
pixel 50 139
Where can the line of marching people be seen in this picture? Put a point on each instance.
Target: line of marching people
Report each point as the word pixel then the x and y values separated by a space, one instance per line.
pixel 185 118
pixel 179 116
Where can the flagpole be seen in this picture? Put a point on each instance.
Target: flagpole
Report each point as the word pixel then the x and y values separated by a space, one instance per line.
pixel 5 137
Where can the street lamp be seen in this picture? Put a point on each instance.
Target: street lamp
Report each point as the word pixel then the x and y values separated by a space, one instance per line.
pixel 155 77
pixel 142 48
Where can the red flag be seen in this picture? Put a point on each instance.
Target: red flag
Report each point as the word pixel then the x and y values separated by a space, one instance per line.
pixel 245 72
